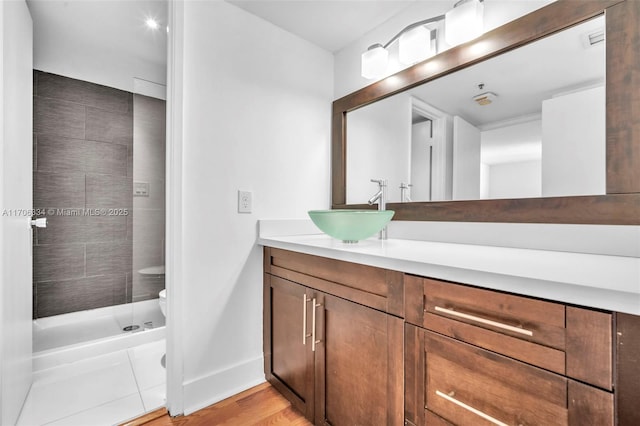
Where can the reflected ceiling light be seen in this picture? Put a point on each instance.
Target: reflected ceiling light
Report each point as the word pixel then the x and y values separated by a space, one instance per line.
pixel 417 42
pixel 152 23
pixel 464 22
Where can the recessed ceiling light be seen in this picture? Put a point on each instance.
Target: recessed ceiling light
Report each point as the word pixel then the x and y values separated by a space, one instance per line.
pixel 152 23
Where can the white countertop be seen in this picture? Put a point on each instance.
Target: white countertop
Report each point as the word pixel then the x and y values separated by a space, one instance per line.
pixel 592 280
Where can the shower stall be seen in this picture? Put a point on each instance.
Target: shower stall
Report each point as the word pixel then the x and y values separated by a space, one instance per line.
pixel 99 179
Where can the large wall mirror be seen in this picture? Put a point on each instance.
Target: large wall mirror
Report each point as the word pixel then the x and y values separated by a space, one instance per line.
pixel 532 122
pixel 527 123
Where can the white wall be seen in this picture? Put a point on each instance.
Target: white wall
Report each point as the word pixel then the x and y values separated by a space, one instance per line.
pixel 574 144
pixel 379 146
pixel 257 113
pixel 83 64
pixel 421 161
pixel 15 193
pixel 515 180
pixel 347 60
pixel 466 160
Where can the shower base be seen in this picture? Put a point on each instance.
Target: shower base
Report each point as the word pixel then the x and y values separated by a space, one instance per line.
pixel 71 337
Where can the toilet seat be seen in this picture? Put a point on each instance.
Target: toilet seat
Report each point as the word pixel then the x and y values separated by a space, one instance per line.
pixel 162 301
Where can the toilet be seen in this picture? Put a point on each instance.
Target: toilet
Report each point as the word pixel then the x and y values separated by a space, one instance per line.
pixel 162 301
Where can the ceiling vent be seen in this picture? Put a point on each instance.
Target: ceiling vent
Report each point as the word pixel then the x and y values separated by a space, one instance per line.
pixel 485 98
pixel 596 37
pixel 593 38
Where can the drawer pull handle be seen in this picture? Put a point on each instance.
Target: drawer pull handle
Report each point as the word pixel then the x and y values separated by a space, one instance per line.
pixel 304 319
pixel 484 321
pixel 313 326
pixel 470 408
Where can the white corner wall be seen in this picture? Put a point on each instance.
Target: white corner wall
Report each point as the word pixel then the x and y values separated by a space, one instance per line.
pixel 16 139
pixel 257 113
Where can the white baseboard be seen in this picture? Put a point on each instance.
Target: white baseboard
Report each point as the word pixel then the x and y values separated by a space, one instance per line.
pixel 204 391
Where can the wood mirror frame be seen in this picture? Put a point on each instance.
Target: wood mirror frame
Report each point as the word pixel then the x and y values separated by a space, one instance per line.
pixel 620 205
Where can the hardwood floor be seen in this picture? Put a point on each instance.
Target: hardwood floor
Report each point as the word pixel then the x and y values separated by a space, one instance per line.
pixel 260 405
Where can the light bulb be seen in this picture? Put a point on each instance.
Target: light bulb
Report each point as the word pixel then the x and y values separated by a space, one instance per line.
pixel 464 22
pixel 374 62
pixel 415 45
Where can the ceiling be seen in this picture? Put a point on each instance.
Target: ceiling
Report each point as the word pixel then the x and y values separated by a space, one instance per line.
pixel 521 78
pixel 330 24
pixel 112 26
pixel 118 25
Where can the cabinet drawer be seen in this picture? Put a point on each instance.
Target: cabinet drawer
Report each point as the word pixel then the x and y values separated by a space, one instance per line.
pixel 448 382
pixel 524 318
pixel 468 385
pixel 570 341
pixel 526 329
pixel 376 288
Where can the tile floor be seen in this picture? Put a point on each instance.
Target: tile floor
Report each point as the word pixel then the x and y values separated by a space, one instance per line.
pixel 98 391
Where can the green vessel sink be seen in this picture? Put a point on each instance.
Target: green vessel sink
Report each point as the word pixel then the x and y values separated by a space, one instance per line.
pixel 351 226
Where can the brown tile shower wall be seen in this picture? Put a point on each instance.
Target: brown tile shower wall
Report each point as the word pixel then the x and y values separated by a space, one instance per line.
pixel 83 159
pixel 148 210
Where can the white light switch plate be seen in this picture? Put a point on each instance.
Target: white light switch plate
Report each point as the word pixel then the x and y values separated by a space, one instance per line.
pixel 244 201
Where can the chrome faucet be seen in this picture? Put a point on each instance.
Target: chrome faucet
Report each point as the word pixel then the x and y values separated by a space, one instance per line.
pixel 381 198
pixel 404 192
pixel 381 195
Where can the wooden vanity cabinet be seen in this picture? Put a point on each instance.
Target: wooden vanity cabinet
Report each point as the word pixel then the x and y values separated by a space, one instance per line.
pixel 351 344
pixel 627 369
pixel 476 356
pixel 337 361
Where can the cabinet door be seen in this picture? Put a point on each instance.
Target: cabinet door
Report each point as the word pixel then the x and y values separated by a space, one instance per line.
pixel 359 365
pixel 288 355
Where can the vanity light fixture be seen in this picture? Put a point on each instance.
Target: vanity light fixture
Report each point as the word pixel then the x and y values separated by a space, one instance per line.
pixel 464 22
pixel 416 42
pixel 374 61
